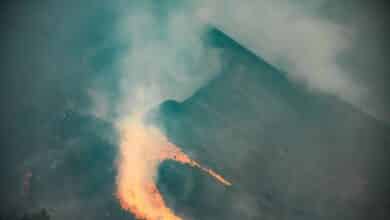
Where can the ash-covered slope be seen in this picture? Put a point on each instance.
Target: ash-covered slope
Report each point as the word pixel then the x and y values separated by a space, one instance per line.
pixel 290 153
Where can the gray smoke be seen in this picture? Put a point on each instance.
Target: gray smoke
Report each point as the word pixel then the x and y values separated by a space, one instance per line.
pixel 322 45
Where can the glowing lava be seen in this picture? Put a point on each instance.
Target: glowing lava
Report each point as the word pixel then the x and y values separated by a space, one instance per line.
pixel 142 149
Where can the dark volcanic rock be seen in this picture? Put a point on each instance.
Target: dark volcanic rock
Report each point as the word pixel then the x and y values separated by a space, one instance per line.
pixel 290 153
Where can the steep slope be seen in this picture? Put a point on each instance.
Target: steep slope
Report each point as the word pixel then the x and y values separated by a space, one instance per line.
pixel 291 153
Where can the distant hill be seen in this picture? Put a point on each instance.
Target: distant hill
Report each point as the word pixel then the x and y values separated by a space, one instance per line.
pixel 291 153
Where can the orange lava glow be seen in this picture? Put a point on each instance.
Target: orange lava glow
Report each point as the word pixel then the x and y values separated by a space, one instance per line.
pixel 142 149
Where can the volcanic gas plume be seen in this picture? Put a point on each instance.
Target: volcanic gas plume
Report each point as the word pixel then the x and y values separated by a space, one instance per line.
pixel 142 148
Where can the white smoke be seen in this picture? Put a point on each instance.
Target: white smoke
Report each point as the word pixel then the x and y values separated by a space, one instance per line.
pixel 165 58
pixel 293 37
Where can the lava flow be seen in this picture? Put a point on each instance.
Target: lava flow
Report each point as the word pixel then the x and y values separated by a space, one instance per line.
pixel 142 149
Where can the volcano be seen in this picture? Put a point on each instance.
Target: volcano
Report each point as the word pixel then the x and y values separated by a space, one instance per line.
pixel 291 152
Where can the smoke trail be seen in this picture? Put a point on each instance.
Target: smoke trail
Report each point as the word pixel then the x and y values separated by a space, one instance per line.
pixel 165 59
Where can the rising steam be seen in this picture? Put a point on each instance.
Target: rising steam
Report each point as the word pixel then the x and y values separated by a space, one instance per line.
pixel 166 59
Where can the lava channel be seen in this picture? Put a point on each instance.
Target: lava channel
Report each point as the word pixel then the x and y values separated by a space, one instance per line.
pixel 142 149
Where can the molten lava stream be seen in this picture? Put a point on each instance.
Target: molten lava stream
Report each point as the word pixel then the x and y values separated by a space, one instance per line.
pixel 142 149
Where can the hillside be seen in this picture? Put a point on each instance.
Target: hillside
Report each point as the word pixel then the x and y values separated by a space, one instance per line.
pixel 291 153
